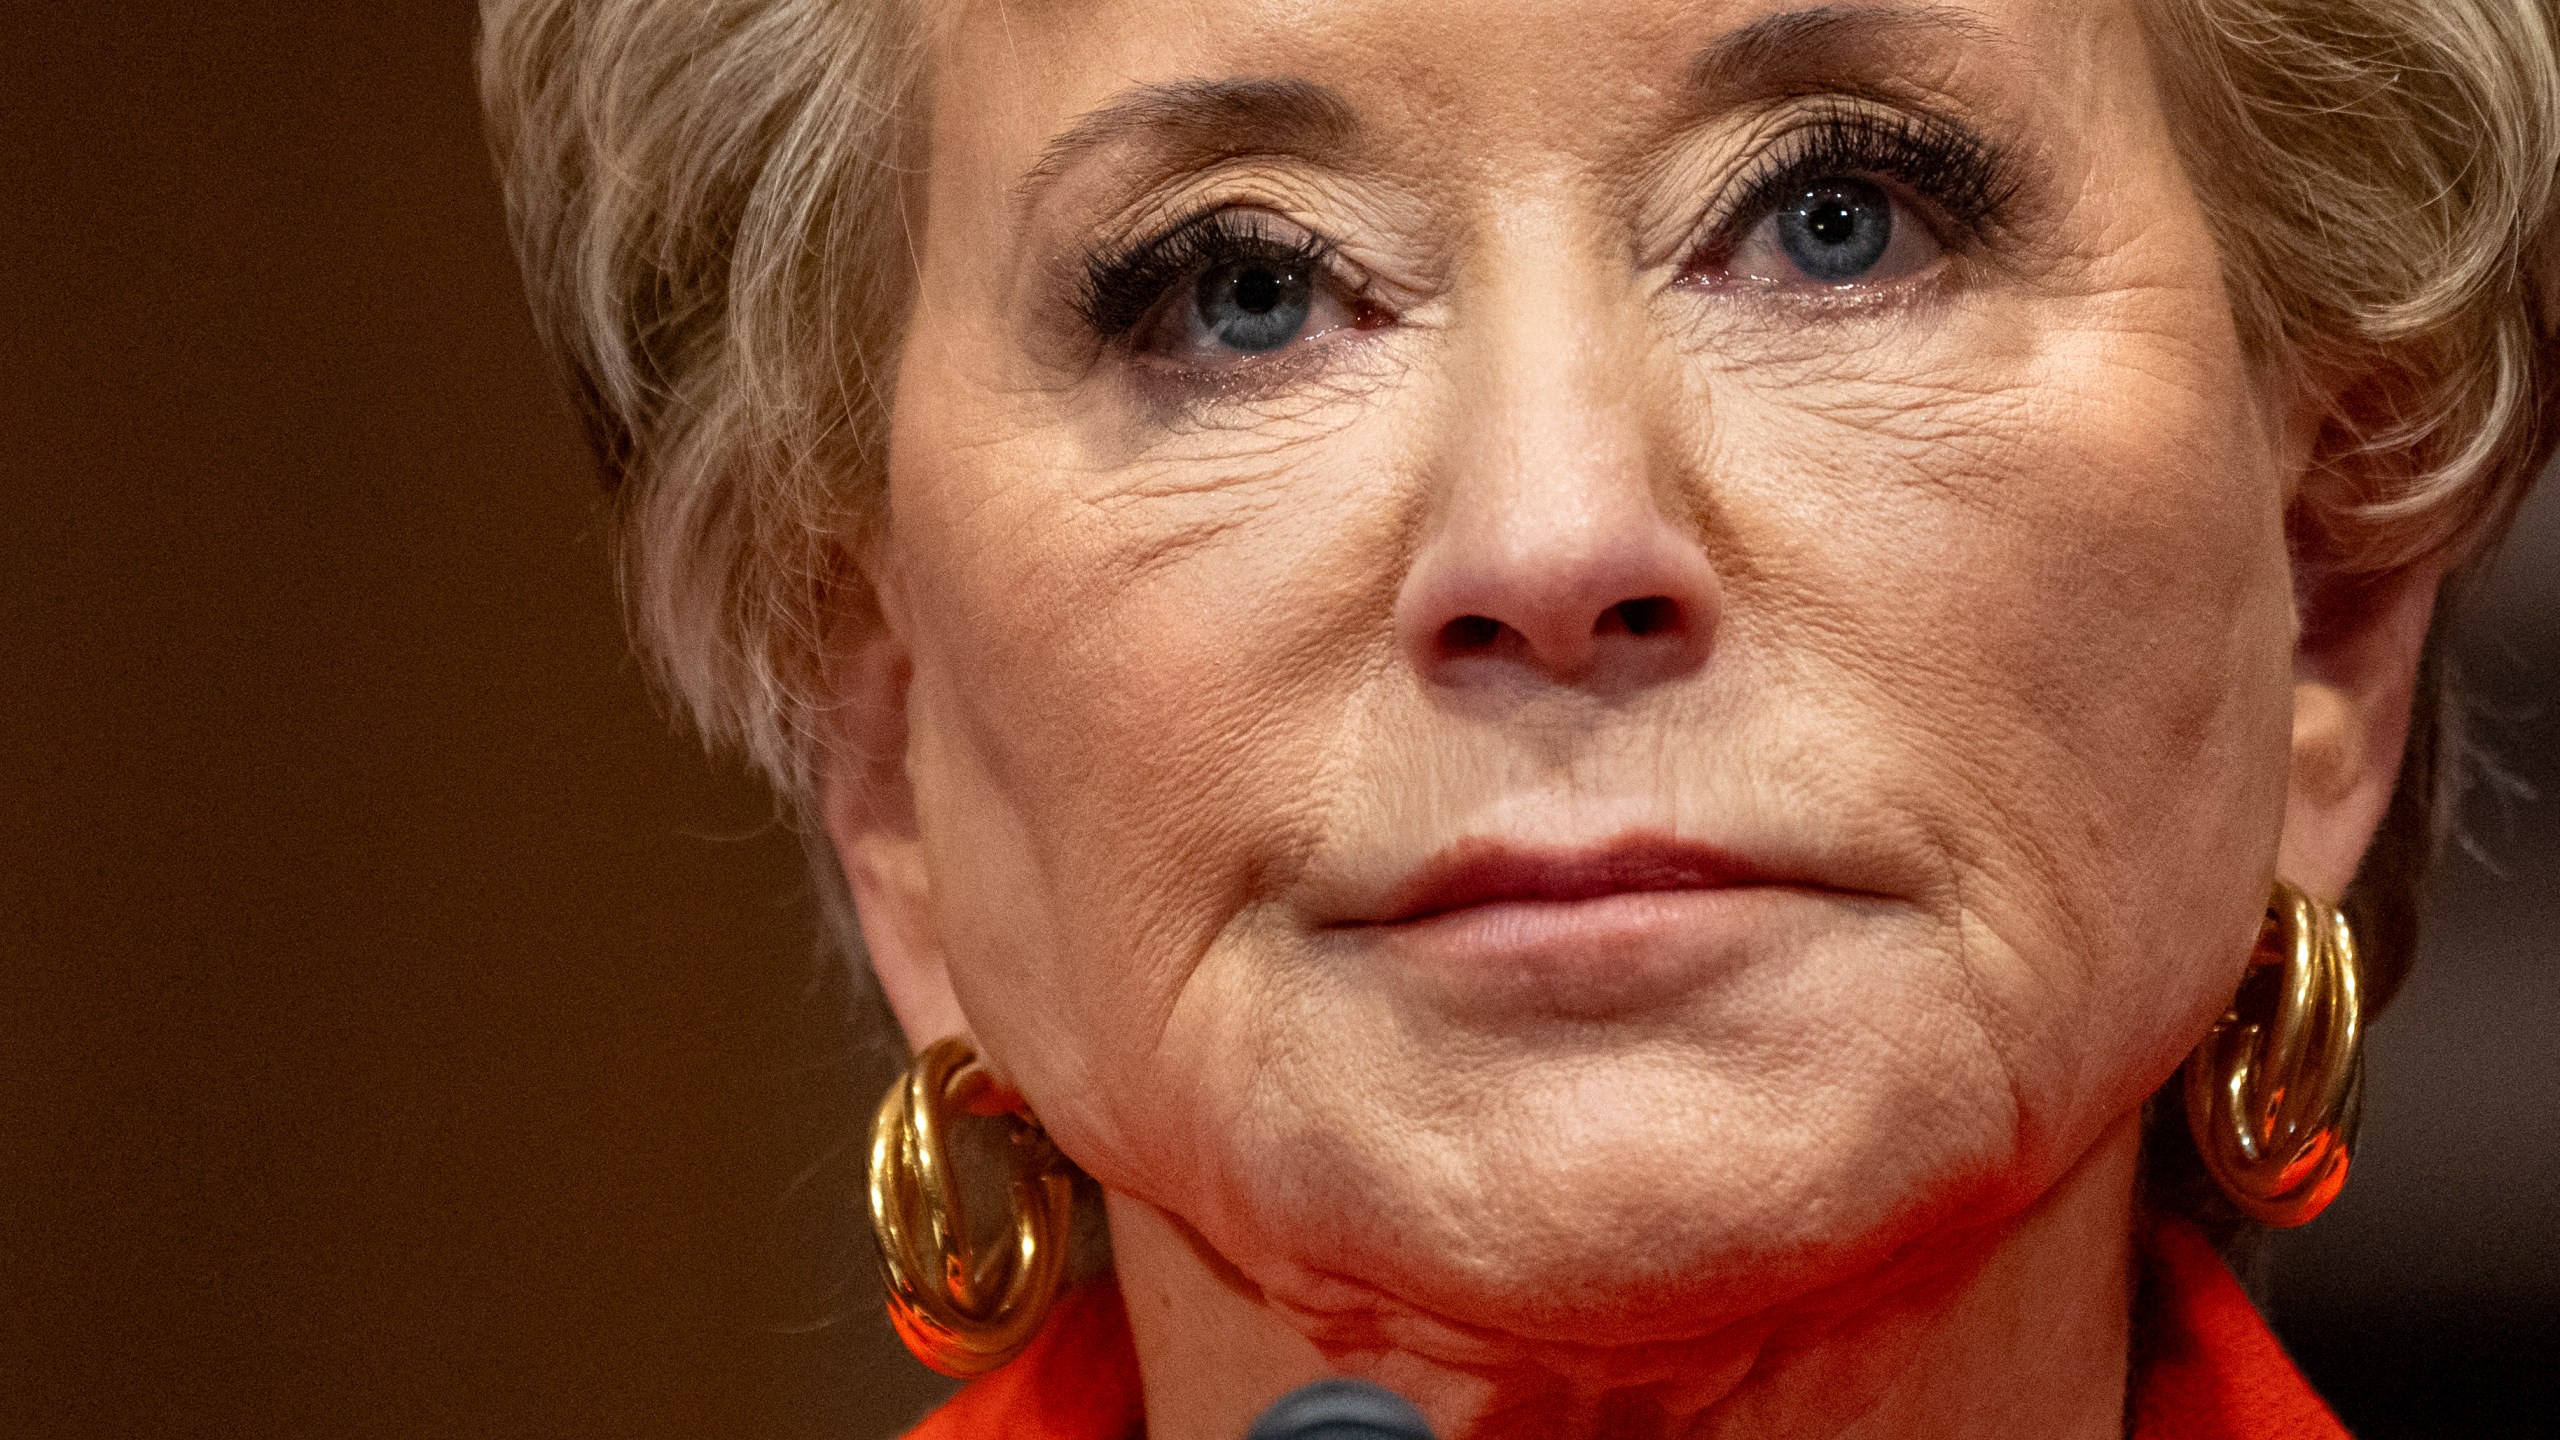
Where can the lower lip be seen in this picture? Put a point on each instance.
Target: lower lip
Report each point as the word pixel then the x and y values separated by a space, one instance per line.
pixel 1590 958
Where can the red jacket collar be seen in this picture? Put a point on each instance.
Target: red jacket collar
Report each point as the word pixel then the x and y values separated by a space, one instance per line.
pixel 2205 1366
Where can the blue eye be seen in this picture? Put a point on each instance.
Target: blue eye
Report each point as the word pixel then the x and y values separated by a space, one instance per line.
pixel 1227 288
pixel 1254 306
pixel 1837 230
pixel 1831 233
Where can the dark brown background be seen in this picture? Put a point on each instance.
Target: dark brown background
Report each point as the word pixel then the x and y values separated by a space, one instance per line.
pixel 406 1035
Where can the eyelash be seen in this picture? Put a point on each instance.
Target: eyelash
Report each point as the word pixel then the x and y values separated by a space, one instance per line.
pixel 1956 171
pixel 1123 286
pixel 1961 175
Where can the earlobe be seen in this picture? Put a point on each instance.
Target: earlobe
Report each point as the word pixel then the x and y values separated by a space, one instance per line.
pixel 2355 675
pixel 868 805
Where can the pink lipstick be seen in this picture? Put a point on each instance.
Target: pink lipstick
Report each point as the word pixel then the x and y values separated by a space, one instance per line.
pixel 1593 931
pixel 1478 872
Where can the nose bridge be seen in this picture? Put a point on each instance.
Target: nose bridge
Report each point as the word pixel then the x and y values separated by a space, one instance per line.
pixel 1550 547
pixel 1554 394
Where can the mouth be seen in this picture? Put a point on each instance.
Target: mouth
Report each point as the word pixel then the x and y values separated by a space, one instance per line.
pixel 1479 874
pixel 1635 923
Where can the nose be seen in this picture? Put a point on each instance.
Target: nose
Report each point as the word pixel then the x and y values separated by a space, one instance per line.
pixel 1547 551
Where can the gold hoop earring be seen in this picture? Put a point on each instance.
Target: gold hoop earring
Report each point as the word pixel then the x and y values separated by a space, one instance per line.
pixel 963 1314
pixel 2273 1090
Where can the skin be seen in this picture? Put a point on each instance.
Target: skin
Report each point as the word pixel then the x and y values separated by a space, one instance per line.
pixel 1982 635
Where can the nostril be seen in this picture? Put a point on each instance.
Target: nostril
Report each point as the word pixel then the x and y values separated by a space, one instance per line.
pixel 1651 615
pixel 1469 635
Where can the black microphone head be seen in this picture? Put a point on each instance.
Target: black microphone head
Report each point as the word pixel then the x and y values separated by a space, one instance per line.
pixel 1339 1409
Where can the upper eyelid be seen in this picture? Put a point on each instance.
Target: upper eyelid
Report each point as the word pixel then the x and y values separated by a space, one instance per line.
pixel 1212 214
pixel 1322 248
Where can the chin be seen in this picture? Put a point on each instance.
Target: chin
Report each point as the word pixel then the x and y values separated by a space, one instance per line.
pixel 1606 1205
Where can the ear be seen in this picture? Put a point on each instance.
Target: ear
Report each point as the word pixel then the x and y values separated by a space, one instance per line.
pixel 2355 671
pixel 867 801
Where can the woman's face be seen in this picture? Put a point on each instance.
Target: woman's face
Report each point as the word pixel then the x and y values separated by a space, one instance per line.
pixel 1568 664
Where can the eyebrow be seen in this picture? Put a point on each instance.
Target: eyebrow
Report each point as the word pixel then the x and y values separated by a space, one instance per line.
pixel 1799 48
pixel 1193 121
pixel 1188 123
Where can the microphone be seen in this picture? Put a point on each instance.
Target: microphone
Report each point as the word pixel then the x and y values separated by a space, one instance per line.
pixel 1340 1409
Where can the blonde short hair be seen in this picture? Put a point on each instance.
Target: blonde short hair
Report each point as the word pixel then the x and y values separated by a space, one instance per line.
pixel 707 201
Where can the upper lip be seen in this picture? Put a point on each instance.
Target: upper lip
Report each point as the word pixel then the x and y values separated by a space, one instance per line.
pixel 1480 871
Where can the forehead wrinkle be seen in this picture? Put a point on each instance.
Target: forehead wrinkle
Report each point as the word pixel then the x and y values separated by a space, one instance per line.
pixel 1823 46
pixel 1186 123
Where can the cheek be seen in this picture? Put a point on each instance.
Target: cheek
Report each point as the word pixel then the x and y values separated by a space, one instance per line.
pixel 1132 679
pixel 2045 597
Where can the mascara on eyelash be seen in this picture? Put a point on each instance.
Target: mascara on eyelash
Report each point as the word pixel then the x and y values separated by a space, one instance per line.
pixel 1960 172
pixel 1122 286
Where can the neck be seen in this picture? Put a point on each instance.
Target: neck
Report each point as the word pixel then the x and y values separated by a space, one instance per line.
pixel 2023 1336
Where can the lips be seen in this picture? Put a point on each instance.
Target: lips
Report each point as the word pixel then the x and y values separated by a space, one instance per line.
pixel 1499 931
pixel 1474 874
